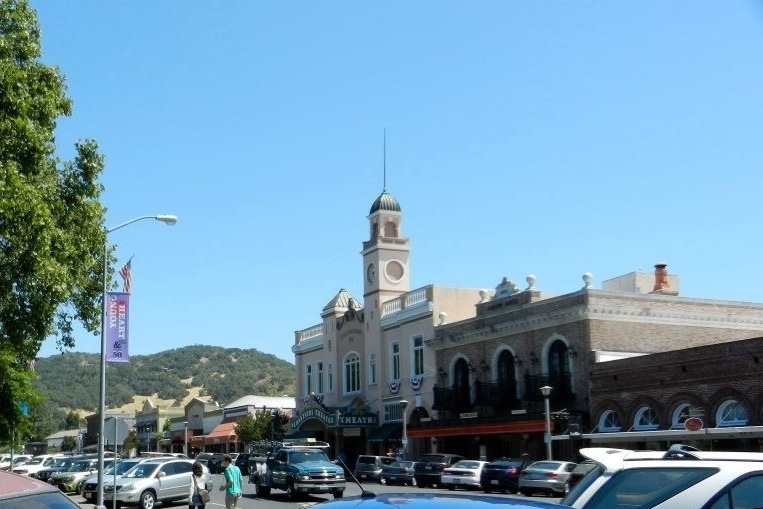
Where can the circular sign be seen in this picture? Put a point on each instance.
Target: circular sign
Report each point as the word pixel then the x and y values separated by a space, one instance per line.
pixel 693 424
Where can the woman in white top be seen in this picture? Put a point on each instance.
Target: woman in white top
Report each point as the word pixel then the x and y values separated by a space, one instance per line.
pixel 197 483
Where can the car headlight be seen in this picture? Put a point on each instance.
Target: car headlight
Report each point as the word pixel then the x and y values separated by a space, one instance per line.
pixel 304 477
pixel 68 478
pixel 127 487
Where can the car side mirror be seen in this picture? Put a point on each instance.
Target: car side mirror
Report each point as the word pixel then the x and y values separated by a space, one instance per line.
pixel 160 474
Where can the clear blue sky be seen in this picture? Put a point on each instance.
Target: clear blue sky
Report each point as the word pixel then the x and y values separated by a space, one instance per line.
pixel 542 137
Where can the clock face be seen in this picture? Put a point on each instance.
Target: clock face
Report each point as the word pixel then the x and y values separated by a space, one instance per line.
pixel 394 270
pixel 371 273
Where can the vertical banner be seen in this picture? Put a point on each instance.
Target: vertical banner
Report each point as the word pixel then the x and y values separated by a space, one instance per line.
pixel 117 318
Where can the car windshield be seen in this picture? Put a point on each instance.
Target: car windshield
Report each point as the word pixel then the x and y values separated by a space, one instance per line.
pixel 141 470
pixel 433 458
pixel 466 464
pixel 35 461
pixel 61 462
pixel 80 466
pixel 545 465
pixel 403 464
pixel 303 456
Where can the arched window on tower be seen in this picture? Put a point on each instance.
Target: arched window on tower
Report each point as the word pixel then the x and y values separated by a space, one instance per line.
pixel 390 229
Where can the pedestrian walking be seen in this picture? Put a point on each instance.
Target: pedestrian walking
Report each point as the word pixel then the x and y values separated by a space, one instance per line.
pixel 232 484
pixel 198 496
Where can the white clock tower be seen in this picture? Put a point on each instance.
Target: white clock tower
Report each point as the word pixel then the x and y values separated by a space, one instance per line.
pixel 385 255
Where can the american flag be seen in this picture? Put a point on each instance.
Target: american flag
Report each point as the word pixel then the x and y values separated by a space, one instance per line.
pixel 127 276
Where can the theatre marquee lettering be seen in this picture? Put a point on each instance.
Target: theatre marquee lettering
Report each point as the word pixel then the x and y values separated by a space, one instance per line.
pixel 331 419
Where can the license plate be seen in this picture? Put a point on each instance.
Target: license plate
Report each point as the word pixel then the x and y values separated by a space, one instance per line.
pixel 323 488
pixel 362 476
pixel 493 481
pixel 456 481
pixel 428 467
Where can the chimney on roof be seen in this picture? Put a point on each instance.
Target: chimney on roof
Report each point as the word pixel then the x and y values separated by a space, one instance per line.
pixel 661 284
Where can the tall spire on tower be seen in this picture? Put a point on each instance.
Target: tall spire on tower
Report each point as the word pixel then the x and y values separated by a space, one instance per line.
pixel 384 182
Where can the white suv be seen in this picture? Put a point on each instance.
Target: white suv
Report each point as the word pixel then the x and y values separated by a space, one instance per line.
pixel 153 480
pixel 680 478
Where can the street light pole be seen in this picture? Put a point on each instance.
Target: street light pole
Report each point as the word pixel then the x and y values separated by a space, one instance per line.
pixel 185 442
pixel 114 465
pixel 166 219
pixel 404 404
pixel 546 391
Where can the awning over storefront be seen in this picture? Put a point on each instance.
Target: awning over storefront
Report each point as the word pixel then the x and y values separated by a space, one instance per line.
pixel 387 431
pixel 225 432
pixel 178 436
pixel 676 434
pixel 476 428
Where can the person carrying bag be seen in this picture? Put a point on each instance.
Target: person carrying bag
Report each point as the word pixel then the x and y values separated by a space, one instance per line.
pixel 199 495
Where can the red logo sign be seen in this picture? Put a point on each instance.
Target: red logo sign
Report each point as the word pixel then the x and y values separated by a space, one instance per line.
pixel 693 424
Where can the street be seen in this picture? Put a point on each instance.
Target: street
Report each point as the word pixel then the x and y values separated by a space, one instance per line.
pixel 277 500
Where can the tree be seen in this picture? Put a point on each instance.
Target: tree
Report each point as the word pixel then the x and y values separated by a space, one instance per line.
pixel 51 220
pixel 248 429
pixel 68 444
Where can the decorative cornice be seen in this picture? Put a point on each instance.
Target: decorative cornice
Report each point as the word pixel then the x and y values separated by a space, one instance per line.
pixel 610 313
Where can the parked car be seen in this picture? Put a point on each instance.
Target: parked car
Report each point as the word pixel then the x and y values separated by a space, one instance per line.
pixel 463 474
pixel 502 474
pixel 21 491
pixel 213 460
pixel 90 486
pixel 72 479
pixel 675 479
pixel 155 480
pixel 370 467
pixel 398 472
pixel 429 467
pixel 58 465
pixel 436 500
pixel 36 464
pixel 242 462
pixel 549 477
pixel 18 460
pixel 581 470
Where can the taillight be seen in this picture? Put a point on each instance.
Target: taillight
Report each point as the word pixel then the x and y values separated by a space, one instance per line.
pixel 552 475
pixel 512 470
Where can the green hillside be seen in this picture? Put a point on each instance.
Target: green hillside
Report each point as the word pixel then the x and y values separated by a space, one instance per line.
pixel 71 380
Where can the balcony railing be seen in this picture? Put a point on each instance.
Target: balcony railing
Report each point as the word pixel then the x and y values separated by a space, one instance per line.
pixel 495 394
pixel 456 398
pixel 561 384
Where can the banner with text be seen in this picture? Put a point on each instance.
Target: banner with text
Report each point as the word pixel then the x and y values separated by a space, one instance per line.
pixel 117 318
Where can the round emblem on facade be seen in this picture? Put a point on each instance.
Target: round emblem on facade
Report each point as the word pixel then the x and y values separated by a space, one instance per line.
pixel 693 424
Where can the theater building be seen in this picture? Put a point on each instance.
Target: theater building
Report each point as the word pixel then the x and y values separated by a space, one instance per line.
pixel 461 368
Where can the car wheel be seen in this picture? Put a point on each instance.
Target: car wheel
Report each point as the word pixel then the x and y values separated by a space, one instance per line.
pixel 382 481
pixel 291 492
pixel 260 490
pixel 147 500
pixel 526 492
pixel 338 494
pixel 486 489
pixel 81 489
pixel 413 482
pixel 449 486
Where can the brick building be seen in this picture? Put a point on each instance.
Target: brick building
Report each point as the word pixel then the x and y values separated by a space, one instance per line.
pixel 645 402
pixel 491 367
